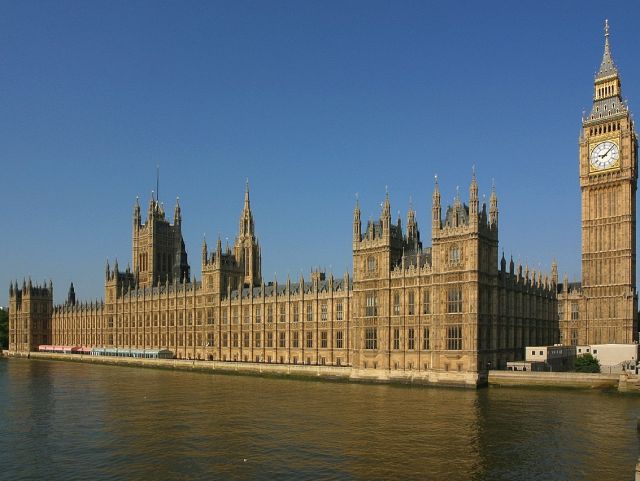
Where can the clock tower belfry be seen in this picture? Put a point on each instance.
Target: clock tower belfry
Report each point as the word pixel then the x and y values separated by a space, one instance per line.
pixel 608 182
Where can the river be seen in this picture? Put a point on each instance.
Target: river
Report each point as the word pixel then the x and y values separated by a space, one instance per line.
pixel 61 420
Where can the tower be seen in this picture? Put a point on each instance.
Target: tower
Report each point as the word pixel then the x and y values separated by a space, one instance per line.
pixel 159 253
pixel 247 249
pixel 30 309
pixel 608 182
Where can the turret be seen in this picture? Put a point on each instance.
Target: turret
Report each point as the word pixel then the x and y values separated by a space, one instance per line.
pixel 436 209
pixel 137 219
pixel 473 200
pixel 205 253
pixel 413 236
pixel 385 216
pixel 177 213
pixel 357 224
pixel 554 273
pixel 493 208
pixel 71 296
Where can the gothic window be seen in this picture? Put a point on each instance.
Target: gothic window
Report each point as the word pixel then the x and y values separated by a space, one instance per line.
pixel 339 311
pixel 309 312
pixel 269 339
pixel 396 338
pixel 269 313
pixel 411 338
pixel 296 315
pixel 371 308
pixel 454 300
pixel 575 314
pixel 396 304
pixel 309 339
pixel 257 339
pixel 454 255
pixel 296 339
pixel 454 337
pixel 245 315
pixel 225 317
pixel 210 339
pixel 339 339
pixel 209 316
pixel 426 302
pixel 225 339
pixel 283 339
pixel 323 339
pixel 282 315
pixel 371 264
pixel 258 315
pixel 371 338
pixel 246 341
pixel 323 311
pixel 412 303
pixel 234 315
pixel 425 339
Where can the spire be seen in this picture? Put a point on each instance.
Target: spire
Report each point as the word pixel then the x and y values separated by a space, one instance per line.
pixel 205 253
pixel 246 218
pixel 71 296
pixel 357 224
pixel 607 67
pixel 554 272
pixel 136 211
pixel 436 209
pixel 473 194
pixel 386 206
pixel 493 206
pixel 177 214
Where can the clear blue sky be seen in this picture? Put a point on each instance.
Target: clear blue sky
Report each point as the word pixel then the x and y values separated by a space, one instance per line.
pixel 312 101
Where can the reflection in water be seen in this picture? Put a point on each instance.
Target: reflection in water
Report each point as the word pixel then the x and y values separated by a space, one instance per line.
pixel 78 421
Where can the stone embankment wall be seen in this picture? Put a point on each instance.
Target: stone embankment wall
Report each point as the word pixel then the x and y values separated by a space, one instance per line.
pixel 454 379
pixel 553 379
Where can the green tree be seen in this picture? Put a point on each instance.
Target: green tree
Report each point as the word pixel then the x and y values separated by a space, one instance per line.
pixel 587 363
pixel 4 329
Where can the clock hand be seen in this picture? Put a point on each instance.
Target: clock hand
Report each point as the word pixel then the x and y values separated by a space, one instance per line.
pixel 603 155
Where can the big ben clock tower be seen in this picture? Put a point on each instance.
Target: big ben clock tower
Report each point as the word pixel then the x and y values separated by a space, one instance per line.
pixel 608 181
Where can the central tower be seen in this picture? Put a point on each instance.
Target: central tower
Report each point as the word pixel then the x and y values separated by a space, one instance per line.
pixel 608 182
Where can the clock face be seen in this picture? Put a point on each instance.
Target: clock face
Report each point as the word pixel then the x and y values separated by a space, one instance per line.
pixel 604 155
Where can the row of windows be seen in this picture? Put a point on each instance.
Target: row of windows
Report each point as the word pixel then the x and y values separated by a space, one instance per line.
pixel 269 340
pixel 454 302
pixel 411 339
pixel 603 129
pixel 454 338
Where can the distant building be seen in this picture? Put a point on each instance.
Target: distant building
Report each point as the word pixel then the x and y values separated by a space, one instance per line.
pixel 546 358
pixel 613 357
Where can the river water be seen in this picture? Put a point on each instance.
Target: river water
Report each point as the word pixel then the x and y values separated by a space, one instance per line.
pixel 62 420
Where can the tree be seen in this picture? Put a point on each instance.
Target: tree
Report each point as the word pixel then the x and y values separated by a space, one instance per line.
pixel 4 329
pixel 587 363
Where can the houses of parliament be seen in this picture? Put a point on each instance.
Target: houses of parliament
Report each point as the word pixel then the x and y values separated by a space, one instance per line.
pixel 454 306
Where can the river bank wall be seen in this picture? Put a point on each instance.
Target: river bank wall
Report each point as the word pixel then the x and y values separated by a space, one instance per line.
pixel 509 379
pixel 334 373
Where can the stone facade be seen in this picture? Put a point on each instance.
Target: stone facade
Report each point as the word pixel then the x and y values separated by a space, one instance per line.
pixel 603 308
pixel 453 306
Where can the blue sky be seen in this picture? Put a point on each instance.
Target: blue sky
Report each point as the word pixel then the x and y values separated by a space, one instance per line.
pixel 312 101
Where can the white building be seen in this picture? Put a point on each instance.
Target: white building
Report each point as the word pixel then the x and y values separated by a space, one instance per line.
pixel 612 357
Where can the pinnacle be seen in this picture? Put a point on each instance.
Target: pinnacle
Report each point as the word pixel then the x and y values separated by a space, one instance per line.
pixel 607 67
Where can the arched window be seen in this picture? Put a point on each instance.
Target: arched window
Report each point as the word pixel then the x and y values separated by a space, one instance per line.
pixel 371 264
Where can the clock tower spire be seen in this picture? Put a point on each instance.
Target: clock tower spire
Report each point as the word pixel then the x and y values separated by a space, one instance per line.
pixel 608 182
